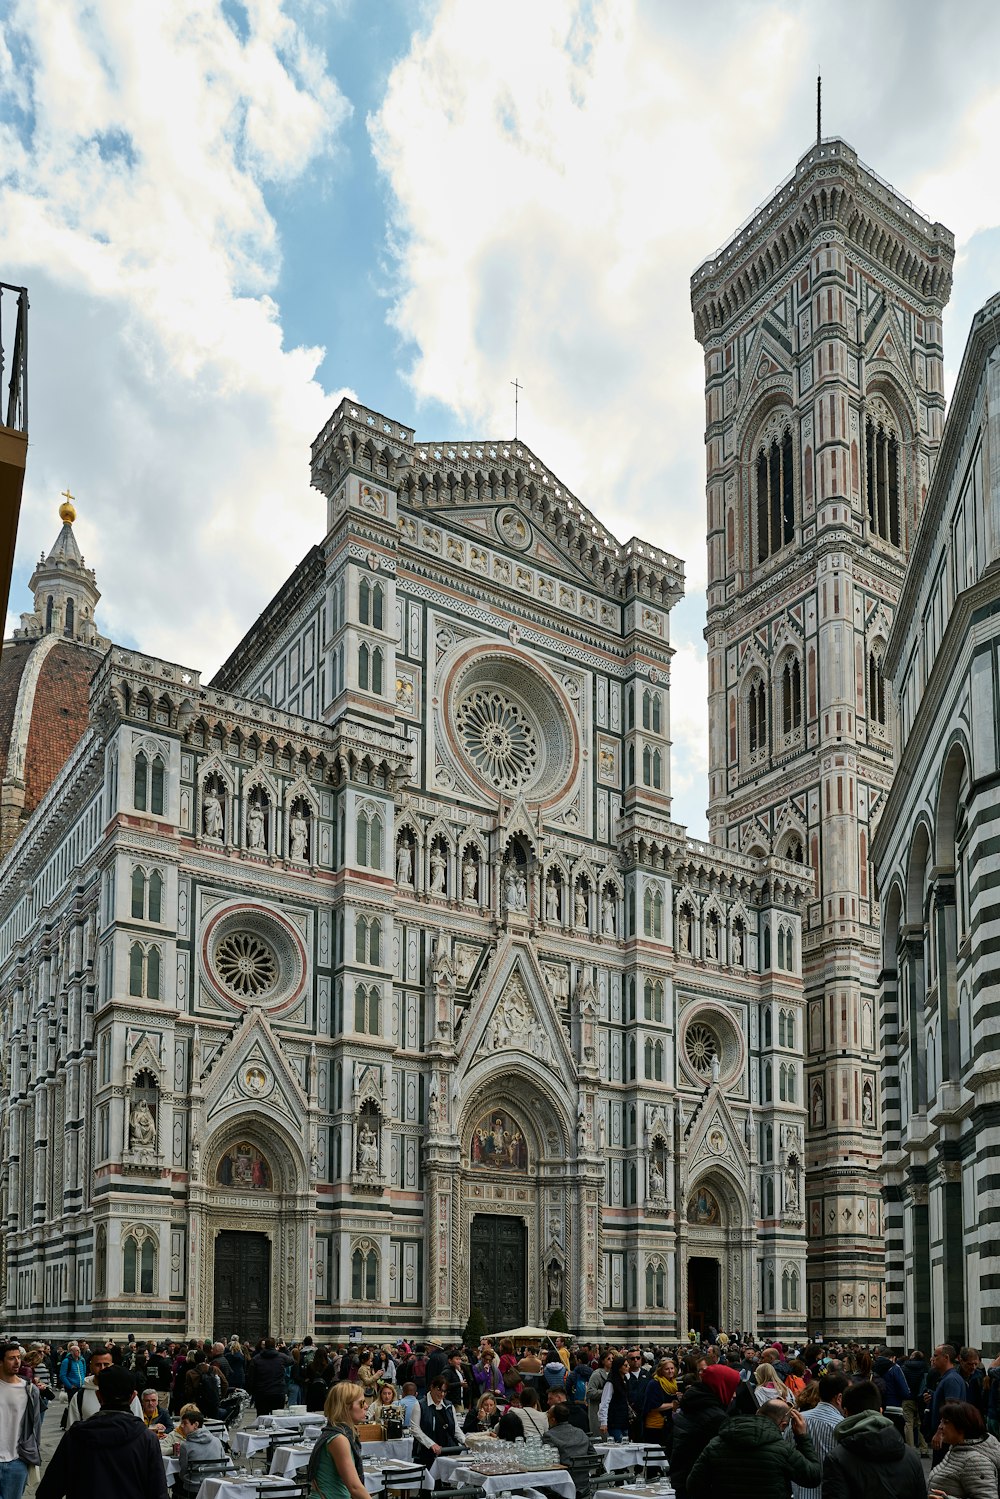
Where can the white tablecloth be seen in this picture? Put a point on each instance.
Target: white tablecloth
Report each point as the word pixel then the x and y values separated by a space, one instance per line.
pixel 290 1460
pixel 637 1491
pixel 281 1420
pixel 228 1488
pixel 401 1447
pixel 623 1455
pixel 171 1467
pixel 499 1483
pixel 248 1441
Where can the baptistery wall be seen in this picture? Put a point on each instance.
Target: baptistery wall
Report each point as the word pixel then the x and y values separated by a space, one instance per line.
pixel 373 981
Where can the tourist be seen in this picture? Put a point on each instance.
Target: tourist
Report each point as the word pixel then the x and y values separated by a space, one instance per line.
pixel 20 1423
pixel 84 1402
pixel 199 1445
pixel 822 1421
pixel 720 1377
pixel 971 1462
pixel 109 1453
pixel 153 1415
pixel 869 1458
pixel 750 1456
pixel 459 1388
pixel 379 1407
pixel 659 1403
pixel 237 1363
pixel 574 1446
pixel 509 1371
pixel 336 1468
pixel 524 1417
pixel 697 1419
pixel 576 1416
pixel 769 1385
pixel 595 1389
pixel 409 1400
pixel 266 1378
pixel 72 1370
pixel 484 1416
pixel 614 1410
pixel 432 1425
pixel 486 1369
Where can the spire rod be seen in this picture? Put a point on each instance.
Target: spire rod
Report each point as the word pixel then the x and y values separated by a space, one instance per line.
pixel 819 108
pixel 518 387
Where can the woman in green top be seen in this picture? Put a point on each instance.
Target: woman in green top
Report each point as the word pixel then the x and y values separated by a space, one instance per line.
pixel 339 1471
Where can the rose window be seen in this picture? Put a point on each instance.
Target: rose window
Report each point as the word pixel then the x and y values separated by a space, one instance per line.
pixel 702 1046
pixel 246 964
pixel 499 738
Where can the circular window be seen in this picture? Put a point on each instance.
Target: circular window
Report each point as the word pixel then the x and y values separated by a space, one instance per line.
pixel 709 1036
pixel 701 1044
pixel 253 956
pixel 510 724
pixel 499 738
pixel 246 964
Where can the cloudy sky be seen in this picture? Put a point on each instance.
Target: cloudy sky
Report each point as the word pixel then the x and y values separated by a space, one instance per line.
pixel 230 211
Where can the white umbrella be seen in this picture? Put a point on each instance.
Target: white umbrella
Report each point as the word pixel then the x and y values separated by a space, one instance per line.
pixel 521 1333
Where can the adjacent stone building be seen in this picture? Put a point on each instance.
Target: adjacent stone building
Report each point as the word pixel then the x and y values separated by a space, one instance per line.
pixel 373 981
pixel 821 325
pixel 936 856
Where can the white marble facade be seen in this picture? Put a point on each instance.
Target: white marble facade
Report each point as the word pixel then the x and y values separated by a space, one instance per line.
pixel 387 933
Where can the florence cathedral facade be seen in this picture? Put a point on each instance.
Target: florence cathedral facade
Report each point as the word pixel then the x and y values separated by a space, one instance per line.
pixel 372 981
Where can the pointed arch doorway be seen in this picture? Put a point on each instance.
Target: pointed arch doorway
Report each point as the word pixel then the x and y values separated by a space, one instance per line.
pixel 242 1300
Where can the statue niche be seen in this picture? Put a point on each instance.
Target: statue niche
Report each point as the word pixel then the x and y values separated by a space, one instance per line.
pixel 368 1148
pixel 142 1116
pixel 299 830
pixel 213 809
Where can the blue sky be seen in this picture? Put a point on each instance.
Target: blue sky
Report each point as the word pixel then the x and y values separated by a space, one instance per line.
pixel 228 214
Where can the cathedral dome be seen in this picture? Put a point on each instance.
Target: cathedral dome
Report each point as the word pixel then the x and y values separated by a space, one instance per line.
pixel 45 673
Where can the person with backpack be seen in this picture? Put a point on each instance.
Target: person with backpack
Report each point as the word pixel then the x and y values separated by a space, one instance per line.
pixel 72 1370
pixel 418 1372
pixel 84 1402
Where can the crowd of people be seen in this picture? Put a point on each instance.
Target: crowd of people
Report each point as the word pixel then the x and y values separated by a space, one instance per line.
pixel 834 1421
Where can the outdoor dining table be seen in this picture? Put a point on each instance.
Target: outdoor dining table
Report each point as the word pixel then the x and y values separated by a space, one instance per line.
pixel 661 1490
pixel 250 1440
pixel 238 1488
pixel 289 1460
pixel 619 1455
pixel 499 1483
pixel 401 1447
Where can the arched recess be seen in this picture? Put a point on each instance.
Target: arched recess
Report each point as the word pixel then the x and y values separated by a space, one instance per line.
pixel 952 790
pixel 771 469
pixel 888 409
pixel 892 915
pixel 917 869
pixel 284 1155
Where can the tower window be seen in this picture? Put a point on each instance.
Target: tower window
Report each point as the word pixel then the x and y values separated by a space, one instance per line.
pixel 370 603
pixel 876 691
pixel 775 496
pixel 757 716
pixel 69 618
pixel 882 481
pixel 791 696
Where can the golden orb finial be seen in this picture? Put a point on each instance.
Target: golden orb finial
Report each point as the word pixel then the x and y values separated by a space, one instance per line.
pixel 67 510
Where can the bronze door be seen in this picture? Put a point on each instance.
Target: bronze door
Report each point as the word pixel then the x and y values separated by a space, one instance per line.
pixel 498 1270
pixel 242 1286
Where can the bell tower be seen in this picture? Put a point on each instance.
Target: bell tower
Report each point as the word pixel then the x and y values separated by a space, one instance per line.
pixel 820 322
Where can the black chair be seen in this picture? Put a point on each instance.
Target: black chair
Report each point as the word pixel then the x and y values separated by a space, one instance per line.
pixel 406 1479
pixel 210 1467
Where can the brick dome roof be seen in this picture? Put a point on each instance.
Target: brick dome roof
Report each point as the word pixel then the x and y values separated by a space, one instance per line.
pixel 44 688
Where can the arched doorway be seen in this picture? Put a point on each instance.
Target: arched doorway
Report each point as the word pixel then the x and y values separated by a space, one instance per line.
pixel 519 1219
pixel 718 1256
pixel 252 1209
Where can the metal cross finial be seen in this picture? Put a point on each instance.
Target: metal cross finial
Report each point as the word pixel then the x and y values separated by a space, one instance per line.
pixel 67 496
pixel 518 387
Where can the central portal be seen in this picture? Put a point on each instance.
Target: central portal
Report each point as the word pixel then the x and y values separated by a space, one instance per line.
pixel 499 1265
pixel 242 1286
pixel 704 1300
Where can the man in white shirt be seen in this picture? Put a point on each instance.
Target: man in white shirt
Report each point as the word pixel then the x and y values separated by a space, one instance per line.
pixel 20 1423
pixel 821 1425
pixel 83 1403
pixel 432 1424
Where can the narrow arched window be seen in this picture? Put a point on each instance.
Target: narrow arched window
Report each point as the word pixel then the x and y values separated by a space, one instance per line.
pixel 766 1088
pixel 138 894
pixel 781 1013
pixel 647 709
pixel 155 896
pixel 361 940
pixel 364 601
pixel 49 605
pixel 631 765
pixel 375 941
pixel 630 708
pixel 768 1033
pixel 371 1276
pixel 357 1276
pixel 758 717
pixel 658 1061
pixel 376 842
pixel 790 1028
pixel 647 767
pixel 882 481
pixel 775 502
pixel 135 969
pixel 791 695
pixel 156 787
pixel 781 964
pixel 153 973
pixel 657 770
pixel 360 1008
pixel 378 597
pixel 68 621
pixel 130 1267
pixel 876 691
pixel 364 659
pixel 648 1057
pixel 363 839
pixel 377 660
pixel 140 783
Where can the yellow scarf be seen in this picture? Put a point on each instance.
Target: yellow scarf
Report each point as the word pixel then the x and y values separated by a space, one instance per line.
pixel 656 1420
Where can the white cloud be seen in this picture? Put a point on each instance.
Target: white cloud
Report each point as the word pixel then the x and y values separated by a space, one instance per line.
pixel 558 171
pixel 135 161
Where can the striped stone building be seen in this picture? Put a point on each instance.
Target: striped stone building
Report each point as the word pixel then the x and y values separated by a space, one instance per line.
pixel 936 854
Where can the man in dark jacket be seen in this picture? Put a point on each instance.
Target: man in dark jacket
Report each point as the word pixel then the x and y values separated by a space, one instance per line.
pixel 266 1378
pixel 869 1457
pixel 111 1453
pixel 697 1420
pixel 914 1372
pixel 751 1456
